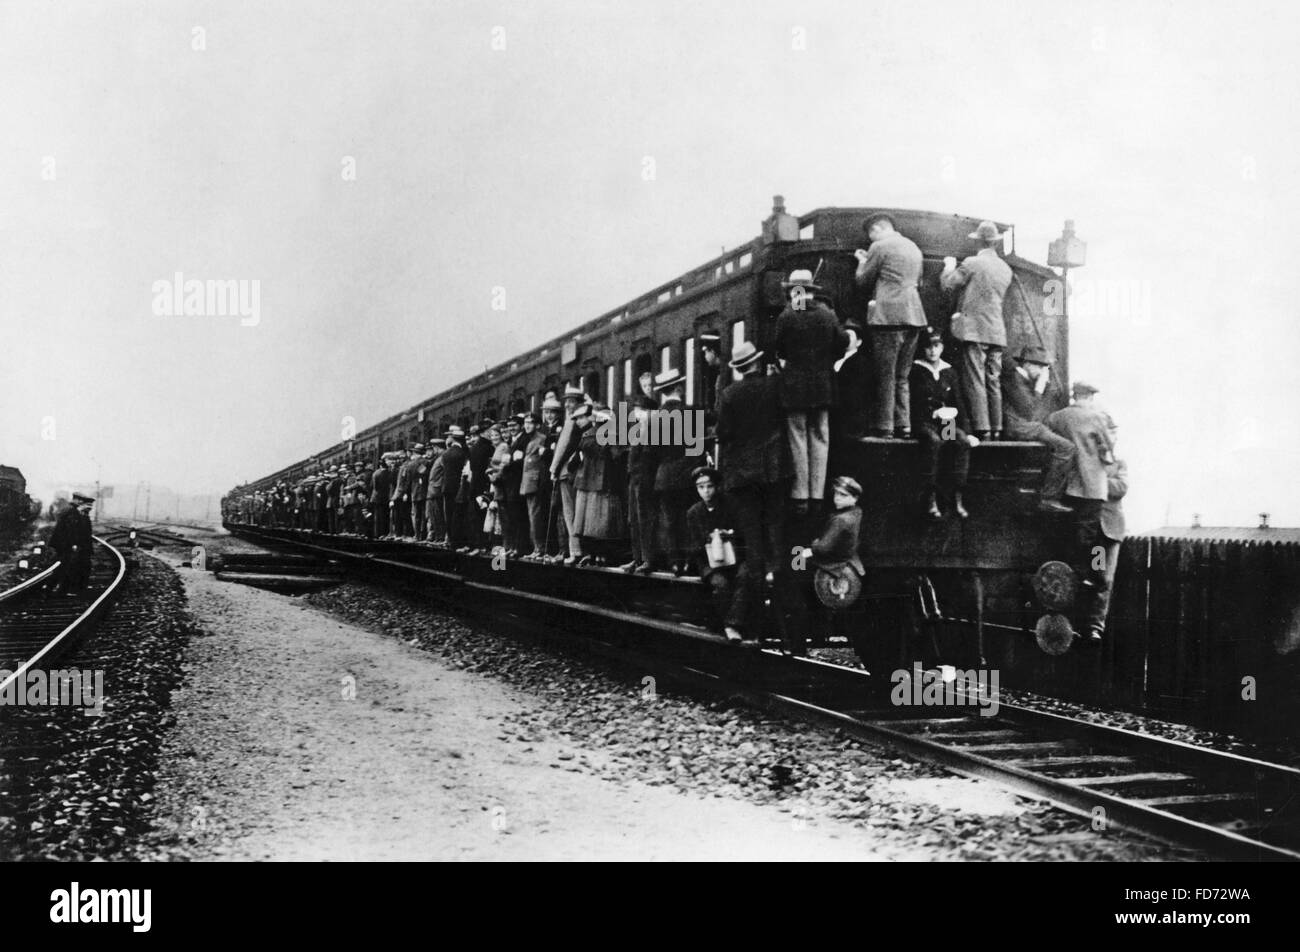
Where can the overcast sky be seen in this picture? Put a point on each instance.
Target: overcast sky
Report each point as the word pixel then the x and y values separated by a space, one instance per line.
pixel 214 139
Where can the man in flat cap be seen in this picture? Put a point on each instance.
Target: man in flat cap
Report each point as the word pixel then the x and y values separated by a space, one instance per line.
pixel 419 489
pixel 892 264
pixel 1088 487
pixel 435 520
pixel 980 328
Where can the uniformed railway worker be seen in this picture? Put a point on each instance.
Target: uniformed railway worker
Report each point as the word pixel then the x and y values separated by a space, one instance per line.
pixel 981 328
pixel 894 317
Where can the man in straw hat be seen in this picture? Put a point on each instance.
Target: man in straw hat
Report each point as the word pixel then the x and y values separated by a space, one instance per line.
pixel 894 317
pixel 978 324
pixel 808 340
pixel 751 433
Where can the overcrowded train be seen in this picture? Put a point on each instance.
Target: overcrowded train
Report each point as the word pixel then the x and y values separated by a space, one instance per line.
pixel 967 506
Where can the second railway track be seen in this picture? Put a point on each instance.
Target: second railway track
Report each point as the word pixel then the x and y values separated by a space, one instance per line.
pixel 1221 804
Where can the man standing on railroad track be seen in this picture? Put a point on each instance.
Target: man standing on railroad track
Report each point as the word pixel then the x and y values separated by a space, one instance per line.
pixel 894 319
pixel 71 541
pixel 979 326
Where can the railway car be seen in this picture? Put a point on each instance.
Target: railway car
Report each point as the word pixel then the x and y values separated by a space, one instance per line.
pixel 15 504
pixel 933 590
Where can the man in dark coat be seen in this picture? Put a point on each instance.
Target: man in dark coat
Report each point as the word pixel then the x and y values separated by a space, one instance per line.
pixel 71 542
pixel 981 328
pixel 894 316
pixel 454 459
pixel 381 488
pixel 322 500
pixel 934 422
pixel 755 456
pixel 835 550
pixel 480 450
pixel 435 519
pixel 809 340
pixel 420 489
pixel 1029 396
pixel 674 490
pixel 730 586
pixel 641 466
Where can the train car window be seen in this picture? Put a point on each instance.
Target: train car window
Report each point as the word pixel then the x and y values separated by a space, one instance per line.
pixel 807 231
pixel 729 267
pixel 689 351
pixel 627 377
pixel 611 379
pixel 665 357
pixel 644 364
pixel 746 259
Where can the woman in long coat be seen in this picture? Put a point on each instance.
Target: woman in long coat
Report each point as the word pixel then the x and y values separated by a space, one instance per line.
pixel 497 525
pixel 599 510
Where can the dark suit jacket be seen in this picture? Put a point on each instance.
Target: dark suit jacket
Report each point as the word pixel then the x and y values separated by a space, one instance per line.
pixel 929 393
pixel 751 433
pixel 72 529
pixel 1112 511
pixel 838 544
pixel 381 486
pixel 701 521
pixel 453 458
pixel 480 457
pixel 810 341
pixel 1019 402
pixel 532 474
pixel 672 466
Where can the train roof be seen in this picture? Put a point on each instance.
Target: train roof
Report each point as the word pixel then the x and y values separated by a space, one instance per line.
pixel 835 228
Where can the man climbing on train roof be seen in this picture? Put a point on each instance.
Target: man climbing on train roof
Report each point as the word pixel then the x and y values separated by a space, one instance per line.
pixel 1030 394
pixel 808 341
pixel 713 525
pixel 892 264
pixel 1087 489
pixel 934 421
pixel 980 327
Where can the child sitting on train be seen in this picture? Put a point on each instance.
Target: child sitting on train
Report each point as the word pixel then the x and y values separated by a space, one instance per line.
pixel 933 386
pixel 837 568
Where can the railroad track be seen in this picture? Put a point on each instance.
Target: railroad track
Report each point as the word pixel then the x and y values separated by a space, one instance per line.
pixel 1220 804
pixel 38 626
